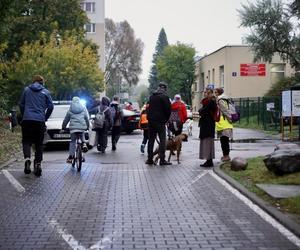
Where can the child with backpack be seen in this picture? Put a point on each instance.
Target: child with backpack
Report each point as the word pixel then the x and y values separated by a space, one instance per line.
pixel 78 118
pixel 143 124
pixel 102 123
pixel 116 114
pixel 224 126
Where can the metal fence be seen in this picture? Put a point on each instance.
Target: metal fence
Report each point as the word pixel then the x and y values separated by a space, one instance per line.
pixel 260 112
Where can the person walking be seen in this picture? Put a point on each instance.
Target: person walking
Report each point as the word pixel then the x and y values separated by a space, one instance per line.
pixel 143 124
pixel 102 132
pixel 78 117
pixel 178 115
pixel 36 107
pixel 224 127
pixel 207 128
pixel 158 114
pixel 117 115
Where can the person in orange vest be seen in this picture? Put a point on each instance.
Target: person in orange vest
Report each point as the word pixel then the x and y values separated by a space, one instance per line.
pixel 143 124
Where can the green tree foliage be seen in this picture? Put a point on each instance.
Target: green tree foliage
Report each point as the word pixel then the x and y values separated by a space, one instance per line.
pixel 68 67
pixel 161 44
pixel 23 20
pixel 274 28
pixel 176 66
pixel 282 85
pixel 123 53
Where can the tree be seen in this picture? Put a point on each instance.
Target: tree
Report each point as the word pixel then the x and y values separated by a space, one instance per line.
pixel 176 66
pixel 69 67
pixel 24 20
pixel 161 44
pixel 123 53
pixel 273 29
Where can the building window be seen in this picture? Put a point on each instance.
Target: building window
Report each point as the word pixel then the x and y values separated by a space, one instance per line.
pixel 202 84
pixel 90 28
pixel 88 7
pixel 221 76
pixel 208 77
pixel 277 72
pixel 213 76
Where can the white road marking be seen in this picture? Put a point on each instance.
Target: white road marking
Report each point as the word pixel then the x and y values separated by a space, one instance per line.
pixel 68 238
pixel 105 242
pixel 13 181
pixel 198 177
pixel 265 216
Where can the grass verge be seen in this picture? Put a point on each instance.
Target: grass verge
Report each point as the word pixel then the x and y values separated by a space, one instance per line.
pixel 257 173
pixel 10 143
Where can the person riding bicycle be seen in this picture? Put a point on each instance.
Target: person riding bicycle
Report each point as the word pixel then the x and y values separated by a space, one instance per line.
pixel 78 117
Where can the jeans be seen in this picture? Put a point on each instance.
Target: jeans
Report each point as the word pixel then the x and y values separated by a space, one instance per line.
pixel 102 138
pixel 115 134
pixel 154 129
pixel 72 145
pixel 145 136
pixel 33 133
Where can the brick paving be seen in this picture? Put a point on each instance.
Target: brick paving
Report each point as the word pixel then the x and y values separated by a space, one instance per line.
pixel 118 202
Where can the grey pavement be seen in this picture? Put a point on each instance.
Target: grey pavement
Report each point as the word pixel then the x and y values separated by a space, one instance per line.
pixel 118 202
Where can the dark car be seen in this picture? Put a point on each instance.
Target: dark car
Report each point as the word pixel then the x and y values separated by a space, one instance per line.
pixel 130 121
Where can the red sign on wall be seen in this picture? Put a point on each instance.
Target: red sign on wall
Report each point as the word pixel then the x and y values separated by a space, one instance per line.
pixel 252 69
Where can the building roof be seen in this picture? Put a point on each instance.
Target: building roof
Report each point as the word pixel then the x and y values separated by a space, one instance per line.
pixel 228 45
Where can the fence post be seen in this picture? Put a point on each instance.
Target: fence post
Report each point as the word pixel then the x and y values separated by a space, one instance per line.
pixel 248 110
pixel 258 110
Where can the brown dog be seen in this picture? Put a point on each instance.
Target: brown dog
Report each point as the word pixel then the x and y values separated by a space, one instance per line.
pixel 173 145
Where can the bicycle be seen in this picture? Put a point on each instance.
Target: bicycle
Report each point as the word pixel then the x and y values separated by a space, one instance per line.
pixel 79 150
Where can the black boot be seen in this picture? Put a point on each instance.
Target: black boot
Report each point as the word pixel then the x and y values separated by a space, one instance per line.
pixel 208 163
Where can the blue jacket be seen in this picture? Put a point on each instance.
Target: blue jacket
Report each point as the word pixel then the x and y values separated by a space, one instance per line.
pixel 78 117
pixel 36 103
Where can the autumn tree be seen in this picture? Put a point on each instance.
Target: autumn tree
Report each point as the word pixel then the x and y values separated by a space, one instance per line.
pixel 123 54
pixel 176 66
pixel 68 67
pixel 161 44
pixel 272 29
pixel 23 20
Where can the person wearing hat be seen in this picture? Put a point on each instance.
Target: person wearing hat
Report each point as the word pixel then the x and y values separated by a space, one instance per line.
pixel 178 109
pixel 36 107
pixel 158 114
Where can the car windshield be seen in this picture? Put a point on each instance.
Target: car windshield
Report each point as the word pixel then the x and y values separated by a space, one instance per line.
pixel 59 111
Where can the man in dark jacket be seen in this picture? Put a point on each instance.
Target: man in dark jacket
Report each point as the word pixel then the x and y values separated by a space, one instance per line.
pixel 36 107
pixel 117 114
pixel 158 114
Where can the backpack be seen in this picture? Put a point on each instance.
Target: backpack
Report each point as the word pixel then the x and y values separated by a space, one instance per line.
pixel 174 122
pixel 100 118
pixel 116 115
pixel 234 115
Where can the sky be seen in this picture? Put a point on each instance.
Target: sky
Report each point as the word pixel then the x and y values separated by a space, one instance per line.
pixel 206 24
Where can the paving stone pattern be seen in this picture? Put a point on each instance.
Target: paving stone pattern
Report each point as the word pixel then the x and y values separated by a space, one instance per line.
pixel 119 205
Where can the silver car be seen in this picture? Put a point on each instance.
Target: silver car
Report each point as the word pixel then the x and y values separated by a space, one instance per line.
pixel 53 134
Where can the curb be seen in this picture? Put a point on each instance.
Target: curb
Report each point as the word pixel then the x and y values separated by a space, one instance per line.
pixel 282 218
pixel 11 160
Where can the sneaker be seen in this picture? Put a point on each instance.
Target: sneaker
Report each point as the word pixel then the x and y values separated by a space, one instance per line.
pixel 114 148
pixel 98 147
pixel 143 148
pixel 149 162
pixel 70 159
pixel 37 169
pixel 27 169
pixel 164 163
pixel 84 148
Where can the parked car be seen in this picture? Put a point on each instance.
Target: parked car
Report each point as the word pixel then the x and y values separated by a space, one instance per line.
pixel 53 134
pixel 130 121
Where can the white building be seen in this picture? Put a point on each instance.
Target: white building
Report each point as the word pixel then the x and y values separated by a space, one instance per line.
pixel 95 29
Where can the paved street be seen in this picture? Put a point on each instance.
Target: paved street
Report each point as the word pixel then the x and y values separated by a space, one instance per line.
pixel 118 202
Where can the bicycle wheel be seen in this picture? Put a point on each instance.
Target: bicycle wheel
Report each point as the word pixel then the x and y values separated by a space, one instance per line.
pixel 78 157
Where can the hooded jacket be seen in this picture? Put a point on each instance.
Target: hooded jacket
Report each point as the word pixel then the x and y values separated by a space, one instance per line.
pixel 36 103
pixel 78 117
pixel 180 106
pixel 159 109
